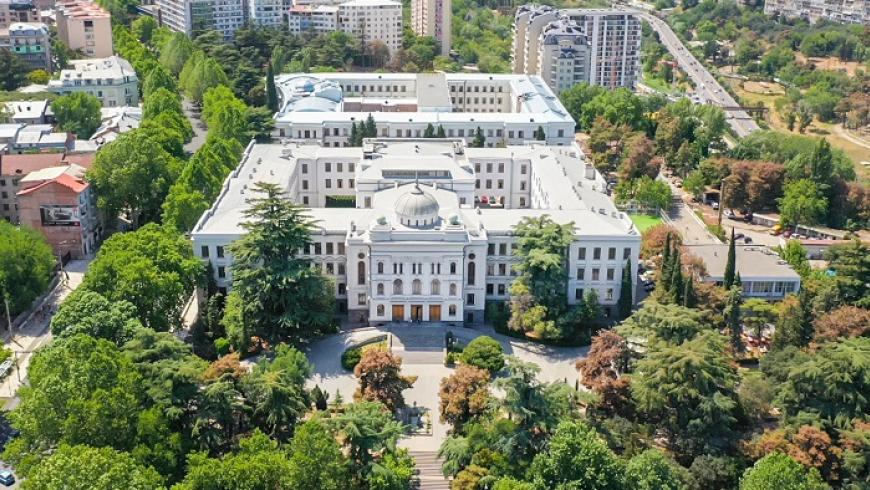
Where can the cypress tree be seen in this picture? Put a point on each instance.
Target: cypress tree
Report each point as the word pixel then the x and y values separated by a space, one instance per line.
pixel 354 135
pixel 441 133
pixel 664 273
pixel 430 131
pixel 690 299
pixel 370 130
pixel 732 318
pixel 479 140
pixel 271 90
pixel 731 264
pixel 675 291
pixel 625 291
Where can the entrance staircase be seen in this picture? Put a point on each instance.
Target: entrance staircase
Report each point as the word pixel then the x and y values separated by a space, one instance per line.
pixel 418 343
pixel 429 475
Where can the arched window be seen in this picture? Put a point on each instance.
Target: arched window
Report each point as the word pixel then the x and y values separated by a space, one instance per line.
pixel 380 289
pixel 397 286
pixel 453 267
pixel 471 270
pixel 380 307
pixel 436 287
pixel 451 310
pixel 417 287
pixel 361 273
pixel 380 267
pixel 452 289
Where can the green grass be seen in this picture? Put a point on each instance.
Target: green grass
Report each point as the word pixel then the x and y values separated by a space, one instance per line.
pixel 645 221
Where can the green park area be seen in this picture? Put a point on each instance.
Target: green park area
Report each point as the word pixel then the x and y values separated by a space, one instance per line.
pixel 645 221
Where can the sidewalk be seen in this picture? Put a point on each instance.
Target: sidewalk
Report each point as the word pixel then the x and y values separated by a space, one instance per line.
pixel 34 333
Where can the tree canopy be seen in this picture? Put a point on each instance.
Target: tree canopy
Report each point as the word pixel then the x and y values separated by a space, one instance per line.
pixel 78 113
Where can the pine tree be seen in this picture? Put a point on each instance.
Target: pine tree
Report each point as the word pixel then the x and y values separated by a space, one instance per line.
pixel 354 135
pixel 664 272
pixel 430 131
pixel 731 264
pixel 479 140
pixel 271 90
pixel 540 135
pixel 690 299
pixel 441 133
pixel 370 130
pixel 732 318
pixel 626 296
pixel 675 291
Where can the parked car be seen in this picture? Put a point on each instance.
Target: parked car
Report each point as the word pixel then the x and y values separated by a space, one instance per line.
pixel 715 205
pixel 738 236
pixel 7 478
pixel 747 240
pixel 786 233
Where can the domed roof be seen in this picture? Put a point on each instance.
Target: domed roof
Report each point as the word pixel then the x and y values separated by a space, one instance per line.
pixel 417 204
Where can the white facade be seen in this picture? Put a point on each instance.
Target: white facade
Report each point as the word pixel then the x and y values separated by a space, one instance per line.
pixel 312 18
pixel 112 80
pixel 565 47
pixel 430 236
pixel 267 13
pixel 195 16
pixel 509 109
pixel 845 11
pixel 433 18
pixel 373 20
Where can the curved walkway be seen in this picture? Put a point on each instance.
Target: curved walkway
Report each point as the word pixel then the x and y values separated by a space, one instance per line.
pixel 556 363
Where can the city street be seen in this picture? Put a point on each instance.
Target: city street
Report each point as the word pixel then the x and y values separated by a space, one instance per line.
pixel 34 333
pixel 706 85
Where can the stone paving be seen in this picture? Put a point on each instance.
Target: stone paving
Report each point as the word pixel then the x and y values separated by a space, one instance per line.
pixel 416 341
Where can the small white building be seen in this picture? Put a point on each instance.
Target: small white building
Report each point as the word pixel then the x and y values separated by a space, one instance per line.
pixel 509 109
pixel 429 235
pixel 763 273
pixel 112 80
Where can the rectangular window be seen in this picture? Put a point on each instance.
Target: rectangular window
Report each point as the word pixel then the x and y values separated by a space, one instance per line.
pixel 222 272
pixel 220 251
pixel 581 274
pixel 595 274
pixel 611 253
pixel 361 298
pixel 502 248
pixel 304 185
pixel 581 253
pixel 611 273
pixel 328 184
pixel 329 248
pixel 578 293
pixel 470 299
pixel 327 167
pixel 489 288
pixel 317 249
pixel 501 289
pixel 609 295
pixel 596 253
pixel 490 249
pixel 304 168
pixel 626 253
pixel 340 248
pixel 204 251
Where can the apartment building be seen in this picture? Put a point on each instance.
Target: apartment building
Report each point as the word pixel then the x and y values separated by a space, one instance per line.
pixel 845 11
pixel 312 18
pixel 367 20
pixel 112 80
pixel 433 18
pixel 565 47
pixel 268 13
pixel 195 16
pixel 31 42
pixel 86 27
pixel 12 11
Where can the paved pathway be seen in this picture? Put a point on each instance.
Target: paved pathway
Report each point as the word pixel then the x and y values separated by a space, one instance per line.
pixel 199 129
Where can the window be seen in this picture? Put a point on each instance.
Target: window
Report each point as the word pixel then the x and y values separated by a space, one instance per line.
pixel 451 310
pixel 361 273
pixel 490 249
pixel 220 251
pixel 304 185
pixel 416 287
pixel 328 184
pixel 489 288
pixel 453 267
pixel 380 267
pixel 578 293
pixel 340 248
pixel 596 253
pixel 471 273
pixel 436 287
pixel 341 268
pixel 317 248
pixel 501 289
pixel 611 253
pixel 330 268
pixel 581 274
pixel 329 248
pixel 452 289
pixel 626 253
pixel 611 273
pixel 361 298
pixel 595 274
pixel 609 294
pixel 581 253
pixel 204 251
pixel 397 286
pixel 502 269
pixel 222 271
pixel 380 310
pixel 470 299
pixel 502 248
pixel 304 168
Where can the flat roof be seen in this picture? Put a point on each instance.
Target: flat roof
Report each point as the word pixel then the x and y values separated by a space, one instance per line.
pixel 753 262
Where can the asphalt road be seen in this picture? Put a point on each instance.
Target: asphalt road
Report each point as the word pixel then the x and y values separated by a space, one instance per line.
pixel 706 87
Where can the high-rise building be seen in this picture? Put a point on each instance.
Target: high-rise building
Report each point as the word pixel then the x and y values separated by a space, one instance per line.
pixel 565 47
pixel 12 11
pixel 31 42
pixel 196 16
pixel 268 13
pixel 845 11
pixel 85 26
pixel 433 18
pixel 367 20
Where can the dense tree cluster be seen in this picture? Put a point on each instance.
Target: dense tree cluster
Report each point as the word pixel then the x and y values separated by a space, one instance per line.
pixel 26 263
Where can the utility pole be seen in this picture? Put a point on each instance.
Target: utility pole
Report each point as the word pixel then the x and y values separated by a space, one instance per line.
pixel 722 188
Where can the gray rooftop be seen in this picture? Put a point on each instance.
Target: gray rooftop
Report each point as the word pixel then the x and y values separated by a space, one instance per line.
pixel 753 262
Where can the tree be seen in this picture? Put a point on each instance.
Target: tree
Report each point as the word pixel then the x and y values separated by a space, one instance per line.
pixel 756 314
pixel 316 461
pixel 626 292
pixel 78 113
pixel 143 28
pixel 844 322
pixel 673 324
pixel 26 262
pixel 14 70
pixel 276 390
pixel 463 395
pixel 802 203
pixel 429 132
pixel 152 268
pixel 576 458
pixel 733 318
pixel 158 78
pixel 655 239
pixel 204 74
pixel 689 391
pixel 484 352
pixel 380 379
pixel 540 135
pixel 652 470
pixel 276 294
pixel 601 371
pixel 367 430
pixel 851 266
pixel 131 174
pixel 271 90
pixel 830 384
pixel 82 391
pixel 88 468
pixel 479 140
pixel 779 471
pixel 731 263
pixel 440 133
pixel 756 396
pixel 90 313
pixel 793 326
pixel 796 255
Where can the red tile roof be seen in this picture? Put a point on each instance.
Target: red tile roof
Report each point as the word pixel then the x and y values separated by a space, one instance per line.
pixel 74 184
pixel 26 163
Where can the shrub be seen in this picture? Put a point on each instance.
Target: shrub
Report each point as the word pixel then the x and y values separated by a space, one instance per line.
pixel 484 352
pixel 350 358
pixel 222 346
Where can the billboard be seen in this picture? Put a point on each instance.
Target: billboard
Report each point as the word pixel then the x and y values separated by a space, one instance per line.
pixel 59 215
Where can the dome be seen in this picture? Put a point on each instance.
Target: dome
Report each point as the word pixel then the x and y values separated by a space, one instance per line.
pixel 417 208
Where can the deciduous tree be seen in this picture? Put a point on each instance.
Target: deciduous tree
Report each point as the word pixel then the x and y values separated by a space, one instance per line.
pixel 90 313
pixel 83 467
pixel 380 379
pixel 26 262
pixel 576 458
pixel 779 471
pixel 78 113
pixel 463 395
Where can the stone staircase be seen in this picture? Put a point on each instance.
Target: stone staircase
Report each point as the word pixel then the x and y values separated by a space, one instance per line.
pixel 429 475
pixel 418 344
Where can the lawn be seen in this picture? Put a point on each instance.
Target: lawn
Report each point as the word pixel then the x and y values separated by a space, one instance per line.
pixel 645 221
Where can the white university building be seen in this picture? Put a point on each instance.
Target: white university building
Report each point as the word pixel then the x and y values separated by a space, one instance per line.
pixel 423 229
pixel 509 109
